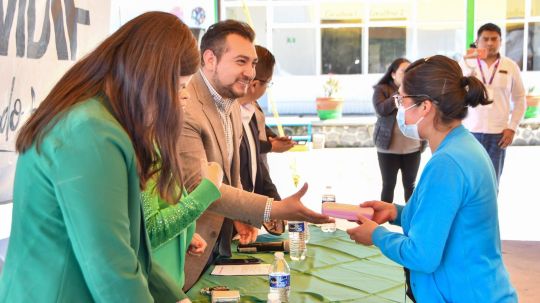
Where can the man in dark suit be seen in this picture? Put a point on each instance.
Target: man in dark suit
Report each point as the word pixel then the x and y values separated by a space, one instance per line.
pixel 255 177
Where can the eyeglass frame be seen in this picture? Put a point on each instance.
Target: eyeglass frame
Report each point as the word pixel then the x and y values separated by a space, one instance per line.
pixel 268 83
pixel 398 99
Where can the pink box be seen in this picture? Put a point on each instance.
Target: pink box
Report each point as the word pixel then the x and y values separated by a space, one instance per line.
pixel 346 211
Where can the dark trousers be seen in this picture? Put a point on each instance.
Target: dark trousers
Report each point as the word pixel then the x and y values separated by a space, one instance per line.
pixel 389 165
pixel 497 154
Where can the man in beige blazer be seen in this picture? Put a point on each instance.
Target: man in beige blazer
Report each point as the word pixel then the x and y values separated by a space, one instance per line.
pixel 212 132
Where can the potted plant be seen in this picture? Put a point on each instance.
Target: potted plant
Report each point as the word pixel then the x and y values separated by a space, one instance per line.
pixel 533 102
pixel 330 106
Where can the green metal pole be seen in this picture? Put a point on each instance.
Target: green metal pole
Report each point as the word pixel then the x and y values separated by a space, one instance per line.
pixel 216 10
pixel 470 23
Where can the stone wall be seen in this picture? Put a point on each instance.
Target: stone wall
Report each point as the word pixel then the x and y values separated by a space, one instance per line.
pixel 528 132
pixel 359 135
pixel 339 134
pixel 358 131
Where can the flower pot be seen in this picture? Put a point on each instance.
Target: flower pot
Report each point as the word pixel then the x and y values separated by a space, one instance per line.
pixel 533 107
pixel 329 108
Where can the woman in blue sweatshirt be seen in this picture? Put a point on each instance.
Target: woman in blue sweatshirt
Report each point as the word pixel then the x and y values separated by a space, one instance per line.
pixel 450 244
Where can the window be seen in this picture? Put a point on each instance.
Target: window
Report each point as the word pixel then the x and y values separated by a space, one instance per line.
pixel 533 54
pixel 258 16
pixel 444 39
pixel 514 42
pixel 294 49
pixel 385 45
pixel 341 50
pixel 294 14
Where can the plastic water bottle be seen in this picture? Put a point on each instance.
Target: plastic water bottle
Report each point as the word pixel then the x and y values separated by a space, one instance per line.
pixel 328 196
pixel 308 233
pixel 280 277
pixel 273 298
pixel 297 240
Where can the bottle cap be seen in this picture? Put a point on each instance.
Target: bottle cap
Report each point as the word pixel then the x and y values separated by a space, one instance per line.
pixel 279 255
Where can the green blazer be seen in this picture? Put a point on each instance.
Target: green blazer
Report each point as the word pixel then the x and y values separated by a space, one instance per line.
pixel 171 227
pixel 78 233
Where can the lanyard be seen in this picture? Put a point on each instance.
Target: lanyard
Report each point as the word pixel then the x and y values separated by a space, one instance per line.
pixel 492 75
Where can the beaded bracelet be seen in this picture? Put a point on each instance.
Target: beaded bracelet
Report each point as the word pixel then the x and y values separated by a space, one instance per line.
pixel 267 210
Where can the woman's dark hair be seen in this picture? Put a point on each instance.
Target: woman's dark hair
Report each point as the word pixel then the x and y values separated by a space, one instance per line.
pixel 214 38
pixel 441 79
pixel 137 68
pixel 265 64
pixel 387 77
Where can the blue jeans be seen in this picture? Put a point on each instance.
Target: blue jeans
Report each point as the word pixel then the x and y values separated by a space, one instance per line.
pixel 497 154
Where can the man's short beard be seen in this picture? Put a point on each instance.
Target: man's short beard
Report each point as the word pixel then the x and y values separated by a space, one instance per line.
pixel 226 91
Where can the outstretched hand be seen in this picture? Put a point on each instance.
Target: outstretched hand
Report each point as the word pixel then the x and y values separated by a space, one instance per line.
pixel 291 208
pixel 384 211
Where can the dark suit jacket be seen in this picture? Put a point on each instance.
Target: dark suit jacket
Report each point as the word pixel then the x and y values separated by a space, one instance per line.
pixel 263 183
pixel 265 132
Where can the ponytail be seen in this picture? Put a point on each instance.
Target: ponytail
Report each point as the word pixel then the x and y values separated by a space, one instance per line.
pixel 476 92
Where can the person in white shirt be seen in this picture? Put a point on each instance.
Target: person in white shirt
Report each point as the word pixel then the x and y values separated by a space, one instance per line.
pixel 495 125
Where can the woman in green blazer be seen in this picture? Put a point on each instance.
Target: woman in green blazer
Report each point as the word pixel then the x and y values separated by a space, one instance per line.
pixel 78 232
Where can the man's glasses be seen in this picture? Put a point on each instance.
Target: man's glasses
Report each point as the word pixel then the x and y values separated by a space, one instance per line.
pixel 266 82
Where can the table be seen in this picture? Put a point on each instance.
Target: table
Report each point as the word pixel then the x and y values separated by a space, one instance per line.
pixel 336 270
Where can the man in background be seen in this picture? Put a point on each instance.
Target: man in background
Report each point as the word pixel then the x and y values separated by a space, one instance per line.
pixel 495 125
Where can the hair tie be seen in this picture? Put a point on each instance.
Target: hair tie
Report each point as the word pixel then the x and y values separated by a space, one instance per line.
pixel 464 81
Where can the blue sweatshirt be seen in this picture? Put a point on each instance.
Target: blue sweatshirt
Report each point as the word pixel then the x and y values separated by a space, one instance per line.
pixel 451 241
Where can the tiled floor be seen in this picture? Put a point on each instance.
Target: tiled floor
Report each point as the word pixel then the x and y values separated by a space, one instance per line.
pixel 355 176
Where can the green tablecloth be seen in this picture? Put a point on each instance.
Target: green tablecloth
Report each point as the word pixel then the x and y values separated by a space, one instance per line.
pixel 335 270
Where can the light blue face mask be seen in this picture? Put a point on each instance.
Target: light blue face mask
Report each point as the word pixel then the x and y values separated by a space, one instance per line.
pixel 408 130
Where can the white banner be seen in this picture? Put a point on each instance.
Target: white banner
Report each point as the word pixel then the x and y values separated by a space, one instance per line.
pixel 194 13
pixel 39 41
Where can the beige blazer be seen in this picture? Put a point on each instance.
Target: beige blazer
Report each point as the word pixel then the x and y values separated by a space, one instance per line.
pixel 203 137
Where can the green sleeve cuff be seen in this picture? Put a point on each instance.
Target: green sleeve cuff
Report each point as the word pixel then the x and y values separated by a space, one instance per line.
pixel 206 193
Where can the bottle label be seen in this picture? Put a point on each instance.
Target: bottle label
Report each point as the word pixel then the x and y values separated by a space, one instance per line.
pixel 280 280
pixel 296 227
pixel 328 198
